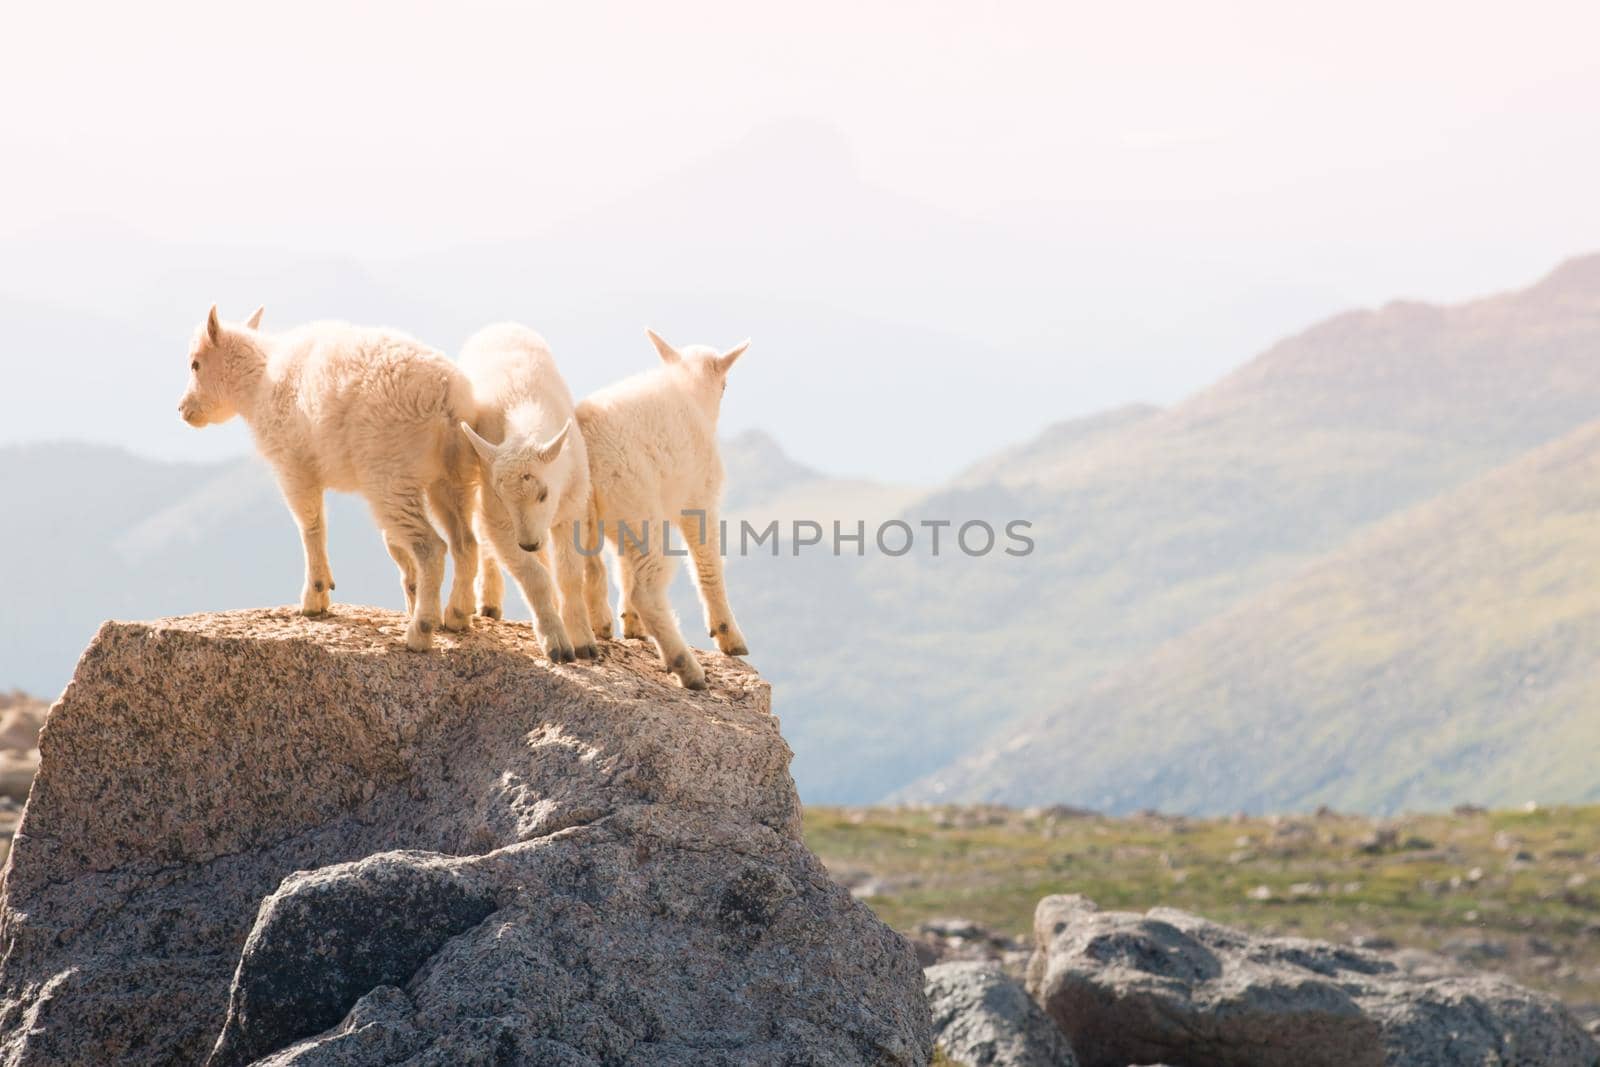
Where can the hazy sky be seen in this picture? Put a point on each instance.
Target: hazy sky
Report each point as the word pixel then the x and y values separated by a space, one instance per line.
pixel 1207 176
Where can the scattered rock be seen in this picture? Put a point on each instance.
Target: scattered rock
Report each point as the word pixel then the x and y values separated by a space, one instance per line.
pixel 950 940
pixel 982 1018
pixel 953 929
pixel 1474 948
pixel 1055 813
pixel 261 838
pixel 21 716
pixel 971 817
pixel 1168 987
pixel 1386 839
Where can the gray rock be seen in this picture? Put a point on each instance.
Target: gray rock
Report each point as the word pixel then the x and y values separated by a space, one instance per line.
pixel 1172 988
pixel 261 838
pixel 983 1018
pixel 327 937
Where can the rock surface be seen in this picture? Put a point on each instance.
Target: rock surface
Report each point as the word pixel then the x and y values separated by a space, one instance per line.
pixel 983 1018
pixel 261 838
pixel 1168 987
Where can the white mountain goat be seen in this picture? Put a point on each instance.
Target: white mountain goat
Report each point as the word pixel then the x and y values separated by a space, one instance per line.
pixel 334 406
pixel 652 443
pixel 535 478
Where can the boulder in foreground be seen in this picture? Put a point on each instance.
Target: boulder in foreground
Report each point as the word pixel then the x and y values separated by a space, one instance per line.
pixel 256 837
pixel 984 1018
pixel 1168 987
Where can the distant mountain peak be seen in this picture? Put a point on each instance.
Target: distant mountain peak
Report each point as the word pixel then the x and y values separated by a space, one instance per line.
pixel 1578 274
pixel 758 467
pixel 760 444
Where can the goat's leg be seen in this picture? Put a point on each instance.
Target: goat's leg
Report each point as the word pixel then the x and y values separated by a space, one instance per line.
pixel 491 585
pixel 574 611
pixel 650 576
pixel 538 589
pixel 452 506
pixel 305 501
pixel 705 551
pixel 404 520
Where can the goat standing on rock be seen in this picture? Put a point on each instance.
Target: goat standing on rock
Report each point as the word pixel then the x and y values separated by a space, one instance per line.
pixel 334 406
pixel 653 456
pixel 535 483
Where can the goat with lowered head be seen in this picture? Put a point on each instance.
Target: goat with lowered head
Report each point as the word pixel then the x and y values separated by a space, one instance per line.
pixel 652 443
pixel 535 479
pixel 369 411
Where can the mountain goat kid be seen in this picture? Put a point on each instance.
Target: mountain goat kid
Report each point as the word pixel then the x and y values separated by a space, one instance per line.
pixel 535 478
pixel 652 443
pixel 334 406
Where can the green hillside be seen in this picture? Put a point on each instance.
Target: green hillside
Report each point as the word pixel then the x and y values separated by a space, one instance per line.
pixel 1508 891
pixel 1169 520
pixel 1450 654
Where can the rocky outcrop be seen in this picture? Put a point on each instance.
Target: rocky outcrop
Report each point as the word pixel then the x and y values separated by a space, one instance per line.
pixel 984 1018
pixel 1168 987
pixel 261 838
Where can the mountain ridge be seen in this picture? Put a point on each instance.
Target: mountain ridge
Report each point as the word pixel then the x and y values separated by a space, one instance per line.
pixel 1359 651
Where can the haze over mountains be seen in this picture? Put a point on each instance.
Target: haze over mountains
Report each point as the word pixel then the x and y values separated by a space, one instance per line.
pixel 1344 573
pixel 834 286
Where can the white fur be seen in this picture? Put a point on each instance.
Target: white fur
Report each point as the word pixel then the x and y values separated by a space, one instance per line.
pixel 652 443
pixel 370 411
pixel 535 476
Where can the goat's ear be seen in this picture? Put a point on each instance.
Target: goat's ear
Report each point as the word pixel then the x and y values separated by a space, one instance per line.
pixel 667 352
pixel 254 321
pixel 213 326
pixel 552 448
pixel 479 445
pixel 728 358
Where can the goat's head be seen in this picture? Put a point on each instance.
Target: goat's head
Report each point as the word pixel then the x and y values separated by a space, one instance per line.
pixel 215 357
pixel 702 369
pixel 519 474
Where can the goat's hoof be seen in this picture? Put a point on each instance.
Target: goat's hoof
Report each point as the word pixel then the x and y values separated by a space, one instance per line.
pixel 419 637
pixel 729 640
pixel 489 613
pixel 562 654
pixel 457 621
pixel 590 651
pixel 314 600
pixel 688 670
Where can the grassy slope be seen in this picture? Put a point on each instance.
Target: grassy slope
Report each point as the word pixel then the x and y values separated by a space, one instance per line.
pixel 1446 655
pixel 1171 519
pixel 1527 884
